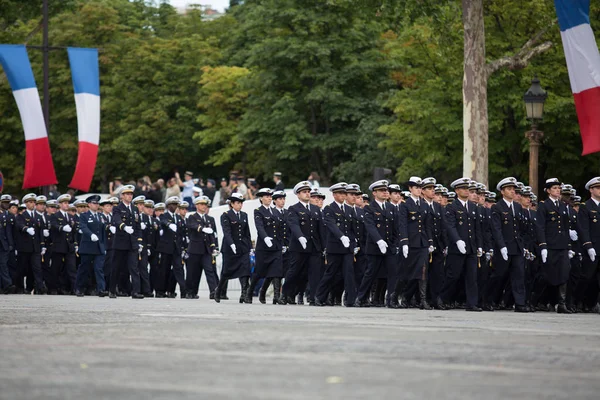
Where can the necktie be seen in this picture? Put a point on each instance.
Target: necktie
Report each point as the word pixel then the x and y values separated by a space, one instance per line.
pixel 512 210
pixel 418 203
pixel 556 203
pixel 342 207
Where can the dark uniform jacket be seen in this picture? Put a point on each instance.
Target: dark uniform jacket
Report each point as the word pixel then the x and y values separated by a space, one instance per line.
pixel 415 224
pixel 235 231
pixel 110 237
pixel 92 225
pixel 200 242
pixel 339 223
pixel 462 224
pixel 123 216
pixel 589 225
pixel 170 242
pixel 485 225
pixel 553 225
pixel 508 230
pixel 380 224
pixel 283 229
pixel 62 242
pixel 25 242
pixel 267 224
pixel 6 237
pixel 306 223
pixel 438 232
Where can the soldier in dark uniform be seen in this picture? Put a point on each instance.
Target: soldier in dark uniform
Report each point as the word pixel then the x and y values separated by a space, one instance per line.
pixel 236 247
pixel 127 242
pixel 357 216
pixel 589 226
pixel 63 272
pixel 40 213
pixel 110 231
pixel 279 186
pixel 416 241
pixel 464 245
pixel 382 228
pixel 157 210
pixel 91 248
pixel 378 293
pixel 340 245
pixel 529 242
pixel 150 241
pixel 11 212
pixel 553 224
pixel 145 232
pixel 268 244
pixel 6 248
pixel 508 229
pixel 202 245
pixel 433 197
pixel 30 243
pixel 170 247
pixel 306 245
pixel 575 274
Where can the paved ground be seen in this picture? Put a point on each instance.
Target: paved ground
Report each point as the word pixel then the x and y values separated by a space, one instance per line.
pixel 70 348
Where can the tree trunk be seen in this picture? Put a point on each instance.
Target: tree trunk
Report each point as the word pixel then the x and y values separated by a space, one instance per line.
pixel 475 114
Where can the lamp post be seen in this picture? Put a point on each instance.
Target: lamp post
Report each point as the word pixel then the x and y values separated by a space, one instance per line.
pixel 534 97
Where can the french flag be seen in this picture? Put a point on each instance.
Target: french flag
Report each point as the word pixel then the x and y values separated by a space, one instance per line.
pixel 39 169
pixel 583 63
pixel 86 84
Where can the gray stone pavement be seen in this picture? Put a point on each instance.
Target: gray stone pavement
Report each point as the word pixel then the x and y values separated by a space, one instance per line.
pixel 54 347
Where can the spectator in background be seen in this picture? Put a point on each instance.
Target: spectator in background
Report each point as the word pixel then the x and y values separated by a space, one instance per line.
pixel 163 190
pixel 241 186
pixel 314 179
pixel 224 191
pixel 187 186
pixel 253 189
pixel 172 189
pixel 210 189
pixel 141 188
pixel 155 193
pixel 53 192
pixel 196 192
pixel 278 182
pixel 114 186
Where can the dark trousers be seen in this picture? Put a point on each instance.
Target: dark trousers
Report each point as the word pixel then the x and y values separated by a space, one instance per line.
pixel 337 263
pixel 170 264
pixel 63 272
pixel 436 274
pixel 125 260
pixel 360 266
pixel 589 274
pixel 194 267
pixel 13 268
pixel 108 266
pixel 30 264
pixel 302 264
pixel 90 262
pixel 374 264
pixel 513 268
pixel 575 276
pixel 5 279
pixel 153 259
pixel 143 268
pixel 455 265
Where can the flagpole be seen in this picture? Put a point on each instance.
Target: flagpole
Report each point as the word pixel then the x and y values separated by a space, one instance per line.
pixel 46 84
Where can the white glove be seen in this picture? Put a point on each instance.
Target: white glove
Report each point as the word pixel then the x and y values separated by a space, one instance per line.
pixel 76 249
pixel 208 231
pixel 445 252
pixel 571 254
pixel 303 241
pixel 66 228
pixel 488 256
pixel 112 230
pixel 405 251
pixel 160 232
pixel 544 255
pixel 573 235
pixel 382 246
pixel 43 251
pixel 128 229
pixel 46 232
pixel 356 250
pixel 94 238
pixel 491 252
pixel 345 241
pixel 215 253
pixel 140 248
pixel 173 227
pixel 504 252
pixel 592 254
pixel 80 231
pixel 233 248
pixel 462 247
pixel 479 252
pixel 431 249
pixel 31 231
pixel 268 241
pixel 284 249
pixel 149 253
pixel 143 225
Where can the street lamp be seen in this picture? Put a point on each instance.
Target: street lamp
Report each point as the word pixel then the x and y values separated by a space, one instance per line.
pixel 534 97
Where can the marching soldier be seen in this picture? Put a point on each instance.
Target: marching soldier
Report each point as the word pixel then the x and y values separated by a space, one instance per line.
pixel 341 242
pixel 357 215
pixel 145 231
pixel 589 223
pixel 91 248
pixel 110 231
pixel 63 272
pixel 464 246
pixel 552 226
pixel 151 240
pixel 127 242
pixel 6 248
pixel 30 244
pixel 432 196
pixel 40 214
pixel 381 227
pixel 170 247
pixel 306 245
pixel 236 246
pixel 202 245
pixel 508 229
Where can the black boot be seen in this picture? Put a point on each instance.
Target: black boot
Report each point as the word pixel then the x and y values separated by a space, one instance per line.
pixel 392 301
pixel 250 290
pixel 562 298
pixel 329 301
pixel 218 291
pixel 423 293
pixel 245 285
pixel 262 294
pixel 300 299
pixel 277 298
